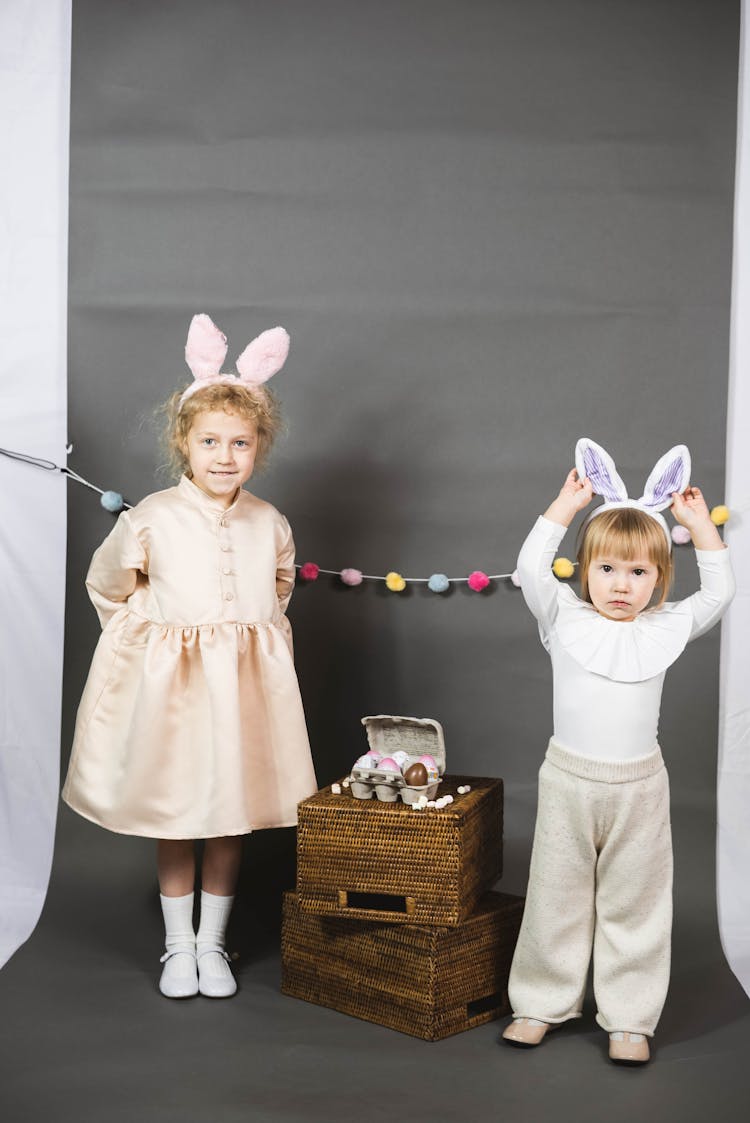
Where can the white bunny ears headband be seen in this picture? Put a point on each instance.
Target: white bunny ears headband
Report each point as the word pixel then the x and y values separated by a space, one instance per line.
pixel 206 349
pixel 670 473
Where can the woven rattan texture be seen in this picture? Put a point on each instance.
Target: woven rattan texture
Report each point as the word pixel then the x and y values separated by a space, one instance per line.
pixel 439 862
pixel 429 982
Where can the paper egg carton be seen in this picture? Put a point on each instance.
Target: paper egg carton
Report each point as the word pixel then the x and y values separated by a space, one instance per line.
pixel 388 734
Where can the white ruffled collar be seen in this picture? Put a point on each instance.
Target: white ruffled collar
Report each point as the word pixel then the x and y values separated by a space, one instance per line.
pixel 625 651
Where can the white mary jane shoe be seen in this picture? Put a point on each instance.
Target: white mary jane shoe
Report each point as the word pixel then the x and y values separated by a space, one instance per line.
pixel 179 979
pixel 215 978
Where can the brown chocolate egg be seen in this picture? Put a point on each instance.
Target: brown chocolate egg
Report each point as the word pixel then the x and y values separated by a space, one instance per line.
pixel 416 775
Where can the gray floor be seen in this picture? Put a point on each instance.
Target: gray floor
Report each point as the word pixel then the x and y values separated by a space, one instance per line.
pixel 86 1036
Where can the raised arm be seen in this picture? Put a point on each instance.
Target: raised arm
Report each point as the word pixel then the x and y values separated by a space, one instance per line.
pixel 115 569
pixel 538 583
pixel 714 565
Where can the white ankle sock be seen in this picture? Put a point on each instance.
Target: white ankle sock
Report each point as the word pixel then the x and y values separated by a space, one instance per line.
pixel 214 918
pixel 178 922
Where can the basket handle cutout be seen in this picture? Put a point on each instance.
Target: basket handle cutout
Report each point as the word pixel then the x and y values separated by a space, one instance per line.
pixel 483 1005
pixel 376 902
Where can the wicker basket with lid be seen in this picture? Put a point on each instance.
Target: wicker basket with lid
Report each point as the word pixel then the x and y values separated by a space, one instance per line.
pixel 374 860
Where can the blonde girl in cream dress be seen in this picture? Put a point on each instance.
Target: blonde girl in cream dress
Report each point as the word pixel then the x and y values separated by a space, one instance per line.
pixel 191 723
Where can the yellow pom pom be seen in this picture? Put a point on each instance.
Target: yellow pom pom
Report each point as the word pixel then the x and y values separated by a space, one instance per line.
pixel 719 515
pixel 562 567
pixel 395 582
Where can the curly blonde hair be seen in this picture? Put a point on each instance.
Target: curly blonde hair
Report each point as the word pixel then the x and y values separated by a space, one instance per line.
pixel 625 532
pixel 257 405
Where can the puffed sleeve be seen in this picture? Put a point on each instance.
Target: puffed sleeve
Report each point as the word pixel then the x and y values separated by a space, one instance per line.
pixel 116 568
pixel 713 598
pixel 538 583
pixel 284 565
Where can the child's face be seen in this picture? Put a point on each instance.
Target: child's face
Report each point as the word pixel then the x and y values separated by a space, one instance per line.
pixel 221 449
pixel 620 588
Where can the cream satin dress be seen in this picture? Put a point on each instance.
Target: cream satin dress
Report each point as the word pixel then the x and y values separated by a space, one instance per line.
pixel 191 722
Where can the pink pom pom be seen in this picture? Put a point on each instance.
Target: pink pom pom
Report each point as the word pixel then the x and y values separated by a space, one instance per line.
pixel 515 579
pixel 351 576
pixel 680 535
pixel 309 571
pixel 478 580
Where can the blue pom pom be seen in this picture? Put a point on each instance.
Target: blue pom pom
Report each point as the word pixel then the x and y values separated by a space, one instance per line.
pixel 438 583
pixel 112 501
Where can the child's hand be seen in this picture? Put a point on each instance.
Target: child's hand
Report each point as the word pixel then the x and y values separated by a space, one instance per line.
pixel 691 510
pixel 575 494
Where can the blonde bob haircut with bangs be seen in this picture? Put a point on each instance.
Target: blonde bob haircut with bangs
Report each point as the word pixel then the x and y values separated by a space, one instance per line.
pixel 628 533
pixel 258 405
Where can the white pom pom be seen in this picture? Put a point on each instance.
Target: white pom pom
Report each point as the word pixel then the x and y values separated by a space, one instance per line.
pixel 336 789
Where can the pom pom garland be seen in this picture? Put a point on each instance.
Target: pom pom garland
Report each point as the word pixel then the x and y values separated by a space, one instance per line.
pixel 112 501
pixel 478 581
pixel 351 577
pixel 563 567
pixel 680 535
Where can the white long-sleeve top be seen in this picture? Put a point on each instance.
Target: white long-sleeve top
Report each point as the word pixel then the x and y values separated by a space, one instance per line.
pixel 608 674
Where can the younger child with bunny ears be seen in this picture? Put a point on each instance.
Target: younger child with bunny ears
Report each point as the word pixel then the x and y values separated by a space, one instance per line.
pixel 601 865
pixel 191 723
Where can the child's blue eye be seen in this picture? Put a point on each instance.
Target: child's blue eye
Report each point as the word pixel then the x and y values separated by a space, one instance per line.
pixel 241 444
pixel 208 441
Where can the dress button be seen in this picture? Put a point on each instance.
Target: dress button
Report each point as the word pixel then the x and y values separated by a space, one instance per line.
pixel 226 569
pixel 225 547
pixel 223 522
pixel 228 596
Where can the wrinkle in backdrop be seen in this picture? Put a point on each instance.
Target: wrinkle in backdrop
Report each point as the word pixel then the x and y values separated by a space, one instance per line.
pixel 34 91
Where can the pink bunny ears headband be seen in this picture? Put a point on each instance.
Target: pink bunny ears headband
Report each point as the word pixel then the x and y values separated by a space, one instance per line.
pixel 670 473
pixel 206 349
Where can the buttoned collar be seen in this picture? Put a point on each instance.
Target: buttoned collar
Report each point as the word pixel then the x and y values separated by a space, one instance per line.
pixel 193 493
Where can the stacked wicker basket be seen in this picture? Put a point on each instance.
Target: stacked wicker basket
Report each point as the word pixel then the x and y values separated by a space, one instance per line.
pixel 392 921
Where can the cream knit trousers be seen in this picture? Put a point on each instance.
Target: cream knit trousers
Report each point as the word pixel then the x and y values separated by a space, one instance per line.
pixel 601 877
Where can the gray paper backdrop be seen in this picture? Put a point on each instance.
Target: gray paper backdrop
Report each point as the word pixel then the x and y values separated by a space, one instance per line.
pixel 490 228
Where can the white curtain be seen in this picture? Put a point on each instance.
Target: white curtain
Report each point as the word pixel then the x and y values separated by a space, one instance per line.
pixel 733 850
pixel 34 130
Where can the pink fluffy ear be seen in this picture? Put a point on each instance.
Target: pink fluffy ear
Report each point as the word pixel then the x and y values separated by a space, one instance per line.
pixel 266 355
pixel 206 347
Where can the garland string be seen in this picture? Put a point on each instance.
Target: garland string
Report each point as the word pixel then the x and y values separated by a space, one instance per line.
pixel 112 501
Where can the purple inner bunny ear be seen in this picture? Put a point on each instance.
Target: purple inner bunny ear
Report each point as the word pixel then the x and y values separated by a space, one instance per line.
pixel 667 483
pixel 598 471
pixel 672 473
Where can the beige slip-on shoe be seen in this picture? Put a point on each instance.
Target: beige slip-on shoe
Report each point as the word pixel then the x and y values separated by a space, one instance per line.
pixel 628 1048
pixel 525 1032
